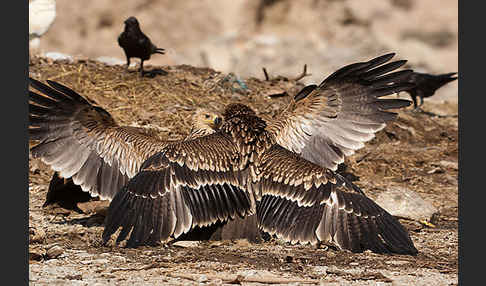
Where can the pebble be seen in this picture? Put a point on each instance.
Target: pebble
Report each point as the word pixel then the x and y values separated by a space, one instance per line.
pixel 54 251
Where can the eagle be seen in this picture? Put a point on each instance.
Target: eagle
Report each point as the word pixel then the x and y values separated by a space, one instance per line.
pixel 269 168
pixel 82 142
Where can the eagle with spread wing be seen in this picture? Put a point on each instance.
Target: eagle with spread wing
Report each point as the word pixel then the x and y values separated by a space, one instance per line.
pixel 271 168
pixel 83 143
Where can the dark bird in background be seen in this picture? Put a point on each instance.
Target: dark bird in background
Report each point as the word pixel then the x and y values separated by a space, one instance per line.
pixel 136 44
pixel 281 169
pixel 426 85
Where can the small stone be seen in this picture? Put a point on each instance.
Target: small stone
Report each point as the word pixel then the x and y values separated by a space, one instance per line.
pixel 54 251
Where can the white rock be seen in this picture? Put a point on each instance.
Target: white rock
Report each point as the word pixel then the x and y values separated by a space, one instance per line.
pixel 58 56
pixel 405 203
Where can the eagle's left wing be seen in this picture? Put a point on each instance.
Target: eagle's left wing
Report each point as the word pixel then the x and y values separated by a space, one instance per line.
pixel 327 122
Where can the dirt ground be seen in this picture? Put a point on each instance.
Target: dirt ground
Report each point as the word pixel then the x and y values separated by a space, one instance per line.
pixel 65 247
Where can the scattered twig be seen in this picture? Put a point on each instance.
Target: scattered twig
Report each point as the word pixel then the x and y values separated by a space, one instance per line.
pixel 280 94
pixel 303 74
pixel 362 158
pixel 299 77
pixel 267 78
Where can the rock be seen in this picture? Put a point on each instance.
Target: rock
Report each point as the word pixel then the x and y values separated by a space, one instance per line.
pixel 111 61
pixel 54 251
pixel 405 203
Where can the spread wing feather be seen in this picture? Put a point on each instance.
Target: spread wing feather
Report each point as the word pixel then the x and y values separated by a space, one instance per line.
pixel 191 183
pixel 323 207
pixel 327 122
pixel 82 141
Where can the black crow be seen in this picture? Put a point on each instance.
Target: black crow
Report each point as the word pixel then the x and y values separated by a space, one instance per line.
pixel 427 84
pixel 136 44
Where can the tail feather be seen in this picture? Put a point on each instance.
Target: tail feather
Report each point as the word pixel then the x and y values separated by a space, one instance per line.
pixel 159 51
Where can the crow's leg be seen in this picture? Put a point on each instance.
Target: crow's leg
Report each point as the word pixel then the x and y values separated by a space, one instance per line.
pixel 141 68
pixel 128 62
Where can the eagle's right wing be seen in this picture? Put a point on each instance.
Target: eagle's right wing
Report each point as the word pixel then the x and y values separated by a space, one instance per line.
pixel 83 142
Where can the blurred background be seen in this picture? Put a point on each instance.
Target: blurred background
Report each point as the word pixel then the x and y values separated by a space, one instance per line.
pixel 243 36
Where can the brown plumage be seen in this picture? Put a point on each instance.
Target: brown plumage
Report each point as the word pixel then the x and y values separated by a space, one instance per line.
pixel 83 142
pixel 243 169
